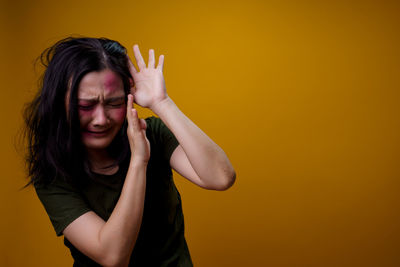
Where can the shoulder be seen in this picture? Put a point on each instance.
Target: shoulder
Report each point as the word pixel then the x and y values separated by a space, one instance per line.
pixel 153 122
pixel 62 201
pixel 160 137
pixel 155 129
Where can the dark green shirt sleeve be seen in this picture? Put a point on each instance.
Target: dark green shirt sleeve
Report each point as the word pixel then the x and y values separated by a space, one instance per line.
pixel 162 137
pixel 63 204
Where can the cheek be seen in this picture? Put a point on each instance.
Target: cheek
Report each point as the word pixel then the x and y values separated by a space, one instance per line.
pixel 84 116
pixel 119 114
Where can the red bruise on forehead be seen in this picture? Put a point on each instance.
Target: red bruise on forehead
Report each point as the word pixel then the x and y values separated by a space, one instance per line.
pixel 100 86
pixel 112 81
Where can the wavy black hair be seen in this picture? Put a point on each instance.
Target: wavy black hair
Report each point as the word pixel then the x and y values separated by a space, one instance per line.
pixel 53 138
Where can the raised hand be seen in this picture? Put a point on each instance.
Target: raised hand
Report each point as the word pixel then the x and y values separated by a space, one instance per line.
pixel 149 85
pixel 140 146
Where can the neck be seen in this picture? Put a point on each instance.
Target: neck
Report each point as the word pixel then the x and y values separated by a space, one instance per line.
pixel 101 161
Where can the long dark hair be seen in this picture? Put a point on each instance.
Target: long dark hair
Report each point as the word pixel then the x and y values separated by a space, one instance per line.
pixel 53 136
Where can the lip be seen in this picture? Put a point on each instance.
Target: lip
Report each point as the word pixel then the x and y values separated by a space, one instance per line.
pixel 96 133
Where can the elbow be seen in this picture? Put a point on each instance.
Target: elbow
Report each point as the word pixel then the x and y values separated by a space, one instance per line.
pixel 115 261
pixel 228 179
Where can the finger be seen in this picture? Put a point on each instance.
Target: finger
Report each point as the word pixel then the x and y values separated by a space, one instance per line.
pixel 151 59
pixel 139 59
pixel 160 65
pixel 143 124
pixel 131 67
pixel 135 120
pixel 129 107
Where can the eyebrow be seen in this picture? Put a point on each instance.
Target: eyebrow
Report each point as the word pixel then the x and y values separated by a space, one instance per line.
pixel 96 99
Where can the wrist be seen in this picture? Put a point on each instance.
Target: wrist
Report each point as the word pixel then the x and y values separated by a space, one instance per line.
pixel 162 105
pixel 138 163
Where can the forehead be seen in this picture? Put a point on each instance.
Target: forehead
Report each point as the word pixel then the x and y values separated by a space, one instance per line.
pixel 100 85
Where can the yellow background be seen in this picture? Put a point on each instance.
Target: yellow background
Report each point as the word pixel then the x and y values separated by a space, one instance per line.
pixel 302 95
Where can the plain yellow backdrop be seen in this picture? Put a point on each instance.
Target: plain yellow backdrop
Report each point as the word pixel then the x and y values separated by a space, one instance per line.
pixel 303 96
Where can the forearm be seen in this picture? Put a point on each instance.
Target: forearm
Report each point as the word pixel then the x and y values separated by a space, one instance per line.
pixel 207 159
pixel 118 235
pixel 208 166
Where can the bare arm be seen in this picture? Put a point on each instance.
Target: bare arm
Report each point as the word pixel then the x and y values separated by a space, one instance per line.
pixel 197 157
pixel 111 243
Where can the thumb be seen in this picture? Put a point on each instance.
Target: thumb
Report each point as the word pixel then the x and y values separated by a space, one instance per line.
pixel 143 124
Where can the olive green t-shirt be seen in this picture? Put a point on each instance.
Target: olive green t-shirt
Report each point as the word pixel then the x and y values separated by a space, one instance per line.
pixel 161 240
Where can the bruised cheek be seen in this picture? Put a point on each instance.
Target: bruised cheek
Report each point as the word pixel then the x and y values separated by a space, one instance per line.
pixel 84 116
pixel 85 113
pixel 119 114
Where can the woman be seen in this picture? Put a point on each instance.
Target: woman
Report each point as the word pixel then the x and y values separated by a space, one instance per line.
pixel 104 175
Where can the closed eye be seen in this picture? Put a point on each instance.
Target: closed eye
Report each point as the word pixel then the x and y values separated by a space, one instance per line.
pixel 116 104
pixel 86 107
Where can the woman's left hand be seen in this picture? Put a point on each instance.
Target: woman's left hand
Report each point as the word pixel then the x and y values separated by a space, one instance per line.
pixel 149 85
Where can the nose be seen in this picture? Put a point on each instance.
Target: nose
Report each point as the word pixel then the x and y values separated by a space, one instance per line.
pixel 100 117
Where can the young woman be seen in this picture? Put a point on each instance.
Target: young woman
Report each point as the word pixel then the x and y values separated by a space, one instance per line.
pixel 104 175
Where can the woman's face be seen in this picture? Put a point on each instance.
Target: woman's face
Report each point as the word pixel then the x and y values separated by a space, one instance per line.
pixel 102 108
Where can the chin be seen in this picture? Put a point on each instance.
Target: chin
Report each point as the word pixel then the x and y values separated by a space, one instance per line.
pixel 96 144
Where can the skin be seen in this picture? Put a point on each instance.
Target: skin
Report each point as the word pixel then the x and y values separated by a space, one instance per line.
pixel 102 111
pixel 197 157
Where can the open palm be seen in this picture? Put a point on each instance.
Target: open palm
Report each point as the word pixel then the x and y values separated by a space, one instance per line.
pixel 149 85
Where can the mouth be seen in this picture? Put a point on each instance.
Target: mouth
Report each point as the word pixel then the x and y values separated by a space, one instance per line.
pixel 96 133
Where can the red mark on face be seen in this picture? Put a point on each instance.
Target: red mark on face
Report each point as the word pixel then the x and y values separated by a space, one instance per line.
pixel 112 82
pixel 86 107
pixel 120 113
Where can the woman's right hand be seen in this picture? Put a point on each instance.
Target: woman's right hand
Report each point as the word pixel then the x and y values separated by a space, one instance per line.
pixel 140 145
